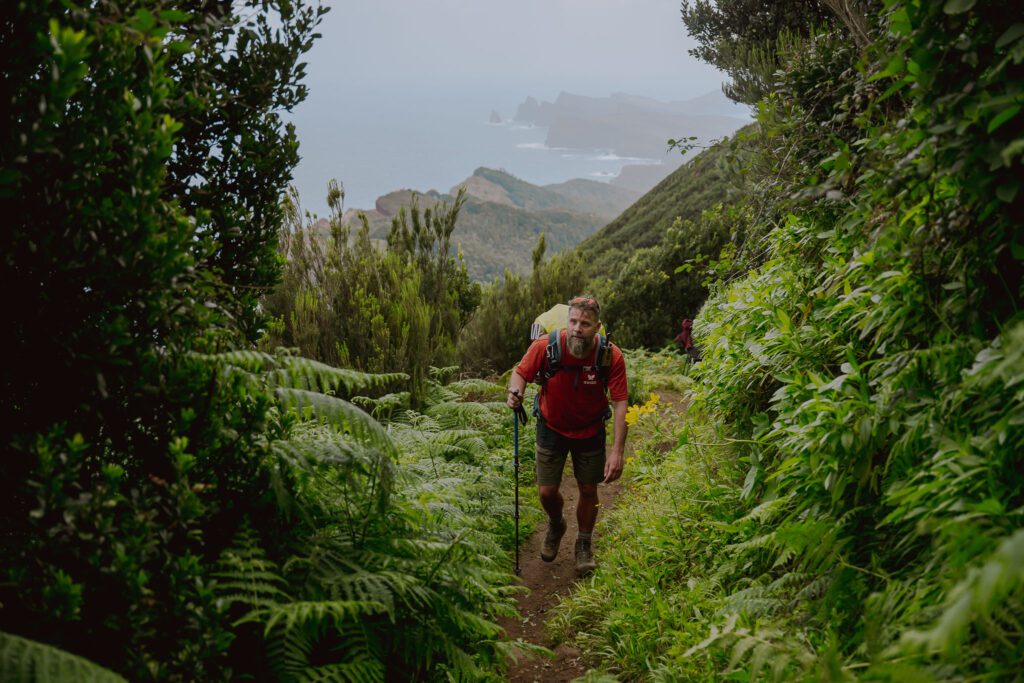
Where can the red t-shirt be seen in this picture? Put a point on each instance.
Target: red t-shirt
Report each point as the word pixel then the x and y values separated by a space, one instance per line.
pixel 574 401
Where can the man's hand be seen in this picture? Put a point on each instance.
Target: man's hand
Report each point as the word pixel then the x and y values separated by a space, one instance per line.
pixel 515 399
pixel 516 389
pixel 613 466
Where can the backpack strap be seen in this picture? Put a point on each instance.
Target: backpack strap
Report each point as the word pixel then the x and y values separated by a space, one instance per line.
pixel 552 359
pixel 603 359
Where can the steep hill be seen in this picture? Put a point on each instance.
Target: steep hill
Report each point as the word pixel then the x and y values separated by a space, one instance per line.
pixel 685 193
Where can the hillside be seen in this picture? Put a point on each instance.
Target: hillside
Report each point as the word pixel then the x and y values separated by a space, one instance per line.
pixel 685 193
pixel 504 216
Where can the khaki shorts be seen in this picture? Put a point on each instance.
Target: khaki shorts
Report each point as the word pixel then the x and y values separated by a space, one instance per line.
pixel 552 448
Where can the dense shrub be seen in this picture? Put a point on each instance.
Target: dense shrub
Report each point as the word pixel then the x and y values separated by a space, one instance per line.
pixel 383 308
pixel 870 359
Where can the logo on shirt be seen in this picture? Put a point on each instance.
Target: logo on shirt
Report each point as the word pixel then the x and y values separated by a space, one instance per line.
pixel 589 375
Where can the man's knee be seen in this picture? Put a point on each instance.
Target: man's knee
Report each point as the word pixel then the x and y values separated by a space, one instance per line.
pixel 588 491
pixel 547 492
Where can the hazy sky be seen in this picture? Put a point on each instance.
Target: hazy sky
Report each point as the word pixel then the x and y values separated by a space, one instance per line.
pixel 599 46
pixel 481 55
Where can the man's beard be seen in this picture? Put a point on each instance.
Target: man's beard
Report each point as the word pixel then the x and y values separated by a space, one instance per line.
pixel 579 346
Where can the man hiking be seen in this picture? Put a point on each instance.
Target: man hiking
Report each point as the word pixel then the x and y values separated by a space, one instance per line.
pixel 575 367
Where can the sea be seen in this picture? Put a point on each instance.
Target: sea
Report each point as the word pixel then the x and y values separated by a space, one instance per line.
pixel 374 142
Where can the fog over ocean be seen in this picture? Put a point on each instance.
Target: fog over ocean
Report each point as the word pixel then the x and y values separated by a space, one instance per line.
pixel 377 142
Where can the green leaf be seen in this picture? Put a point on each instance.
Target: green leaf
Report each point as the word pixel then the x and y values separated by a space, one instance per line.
pixel 1011 34
pixel 899 22
pixel 174 16
pixel 1002 117
pixel 22 659
pixel 143 21
pixel 1007 193
pixel 957 6
pixel 1014 149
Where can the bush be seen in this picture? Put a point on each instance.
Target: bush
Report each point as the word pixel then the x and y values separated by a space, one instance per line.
pixel 140 173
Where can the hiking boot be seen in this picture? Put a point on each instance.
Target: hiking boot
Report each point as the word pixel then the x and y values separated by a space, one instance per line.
pixel 584 557
pixel 549 550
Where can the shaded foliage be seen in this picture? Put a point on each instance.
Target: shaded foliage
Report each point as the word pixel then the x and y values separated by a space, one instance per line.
pixel 743 37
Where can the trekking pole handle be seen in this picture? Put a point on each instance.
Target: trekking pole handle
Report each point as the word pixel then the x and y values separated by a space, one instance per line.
pixel 519 411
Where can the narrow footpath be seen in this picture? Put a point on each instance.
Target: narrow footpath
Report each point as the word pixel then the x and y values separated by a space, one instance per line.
pixel 548 582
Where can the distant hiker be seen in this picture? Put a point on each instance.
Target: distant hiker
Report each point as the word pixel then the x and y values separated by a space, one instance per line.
pixel 575 367
pixel 685 340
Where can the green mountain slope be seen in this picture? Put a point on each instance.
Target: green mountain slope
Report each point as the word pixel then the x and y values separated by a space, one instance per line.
pixel 504 216
pixel 688 191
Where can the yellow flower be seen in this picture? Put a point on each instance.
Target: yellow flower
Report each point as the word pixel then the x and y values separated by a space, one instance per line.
pixel 632 415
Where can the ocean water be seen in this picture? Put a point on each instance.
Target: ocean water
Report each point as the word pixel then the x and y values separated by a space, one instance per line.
pixel 374 143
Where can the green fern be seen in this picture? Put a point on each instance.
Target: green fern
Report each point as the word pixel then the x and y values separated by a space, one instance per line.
pixel 454 414
pixel 443 375
pixel 294 372
pixel 338 413
pixel 355 671
pixel 333 612
pixel 28 661
pixel 245 575
pixel 976 601
pixel 386 406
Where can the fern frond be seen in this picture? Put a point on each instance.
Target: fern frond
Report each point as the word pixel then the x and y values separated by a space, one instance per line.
pixel 976 597
pixel 384 407
pixel 304 373
pixel 453 414
pixel 250 361
pixel 478 389
pixel 762 542
pixel 29 661
pixel 291 614
pixel 442 375
pixel 289 652
pixel 244 574
pixel 337 412
pixel 355 671
pixel 301 451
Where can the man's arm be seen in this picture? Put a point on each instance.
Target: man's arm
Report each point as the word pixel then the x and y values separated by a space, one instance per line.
pixel 616 459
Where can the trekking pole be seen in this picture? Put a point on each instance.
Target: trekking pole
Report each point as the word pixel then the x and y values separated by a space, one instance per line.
pixel 519 414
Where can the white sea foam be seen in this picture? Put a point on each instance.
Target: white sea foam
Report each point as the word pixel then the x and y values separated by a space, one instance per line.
pixel 532 145
pixel 612 156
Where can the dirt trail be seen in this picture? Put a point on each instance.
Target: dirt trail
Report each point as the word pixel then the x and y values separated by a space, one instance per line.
pixel 548 582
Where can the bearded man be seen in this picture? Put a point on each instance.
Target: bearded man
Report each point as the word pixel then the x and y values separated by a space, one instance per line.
pixel 571 412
